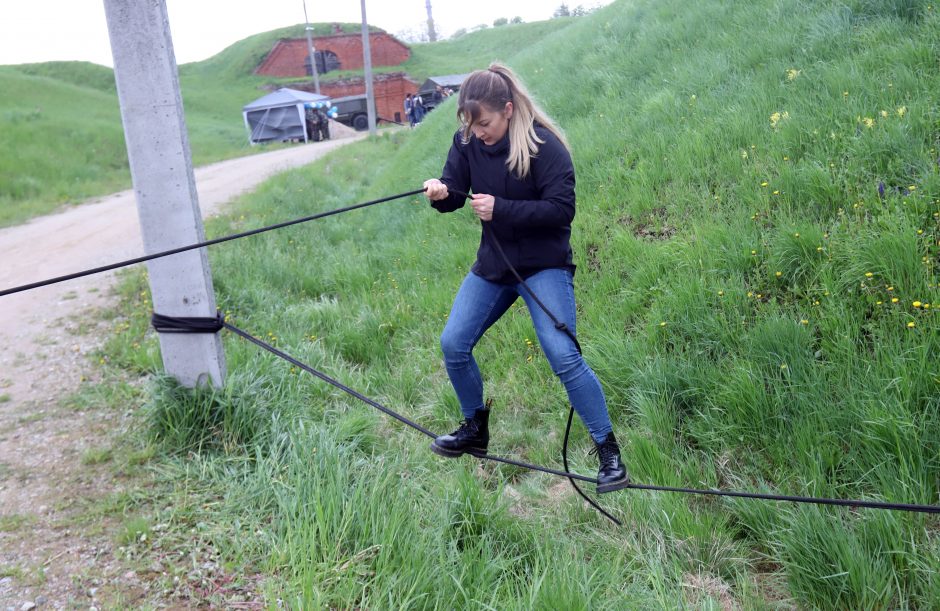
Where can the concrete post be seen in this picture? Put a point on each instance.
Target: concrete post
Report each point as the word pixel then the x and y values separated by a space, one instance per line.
pixel 367 64
pixel 161 169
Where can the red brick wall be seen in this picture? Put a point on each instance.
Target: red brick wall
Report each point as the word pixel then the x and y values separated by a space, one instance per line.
pixel 288 55
pixel 390 91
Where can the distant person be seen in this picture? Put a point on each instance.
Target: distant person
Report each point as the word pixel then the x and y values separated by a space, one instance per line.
pixel 418 108
pixel 409 110
pixel 438 96
pixel 312 122
pixel 517 164
pixel 324 122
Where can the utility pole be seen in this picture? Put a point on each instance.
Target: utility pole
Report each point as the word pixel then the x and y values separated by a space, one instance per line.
pixel 432 34
pixel 367 64
pixel 161 169
pixel 313 55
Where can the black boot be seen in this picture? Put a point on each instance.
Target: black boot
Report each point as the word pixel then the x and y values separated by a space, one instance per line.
pixel 612 475
pixel 471 437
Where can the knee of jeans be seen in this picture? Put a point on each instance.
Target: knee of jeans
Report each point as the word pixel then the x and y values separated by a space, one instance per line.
pixel 567 365
pixel 453 348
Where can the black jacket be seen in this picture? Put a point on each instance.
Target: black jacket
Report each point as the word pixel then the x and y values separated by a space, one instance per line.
pixel 531 217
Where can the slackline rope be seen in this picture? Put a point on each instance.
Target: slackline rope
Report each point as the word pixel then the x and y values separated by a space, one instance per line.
pixel 166 253
pixel 169 324
pixel 203 326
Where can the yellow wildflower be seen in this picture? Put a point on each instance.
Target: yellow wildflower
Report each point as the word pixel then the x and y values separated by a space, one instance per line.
pixel 916 304
pixel 792 73
pixel 869 274
pixel 894 300
pixel 911 325
pixel 778 274
pixel 902 110
pixel 777 117
pixel 803 321
pixel 869 122
pixel 884 114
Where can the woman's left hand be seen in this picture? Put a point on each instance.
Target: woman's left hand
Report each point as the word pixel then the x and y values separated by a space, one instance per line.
pixel 482 205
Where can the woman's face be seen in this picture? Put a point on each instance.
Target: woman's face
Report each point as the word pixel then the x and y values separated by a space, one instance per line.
pixel 492 124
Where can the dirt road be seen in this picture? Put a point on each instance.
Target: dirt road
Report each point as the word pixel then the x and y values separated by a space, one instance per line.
pixel 96 234
pixel 44 347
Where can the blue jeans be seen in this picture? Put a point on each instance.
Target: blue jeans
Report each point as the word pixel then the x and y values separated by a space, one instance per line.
pixel 480 303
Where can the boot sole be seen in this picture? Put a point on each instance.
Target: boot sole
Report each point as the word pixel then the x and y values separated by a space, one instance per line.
pixel 455 453
pixel 620 484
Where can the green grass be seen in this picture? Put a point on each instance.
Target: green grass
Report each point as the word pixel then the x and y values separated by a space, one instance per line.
pixel 738 272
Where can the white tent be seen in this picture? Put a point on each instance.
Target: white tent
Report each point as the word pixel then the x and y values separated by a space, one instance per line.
pixel 279 115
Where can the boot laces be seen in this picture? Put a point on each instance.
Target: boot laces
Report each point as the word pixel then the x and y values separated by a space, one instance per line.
pixel 606 452
pixel 468 428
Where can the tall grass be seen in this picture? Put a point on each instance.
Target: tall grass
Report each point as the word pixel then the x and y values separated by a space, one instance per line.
pixel 748 301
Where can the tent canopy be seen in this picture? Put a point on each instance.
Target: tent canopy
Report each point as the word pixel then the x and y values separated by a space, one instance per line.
pixel 284 96
pixel 451 80
pixel 279 115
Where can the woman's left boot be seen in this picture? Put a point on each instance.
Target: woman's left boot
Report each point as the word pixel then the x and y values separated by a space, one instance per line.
pixel 612 475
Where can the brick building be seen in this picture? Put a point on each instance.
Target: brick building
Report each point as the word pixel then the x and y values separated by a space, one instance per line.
pixel 290 57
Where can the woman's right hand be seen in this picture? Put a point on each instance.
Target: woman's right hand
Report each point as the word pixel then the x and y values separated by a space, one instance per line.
pixel 435 189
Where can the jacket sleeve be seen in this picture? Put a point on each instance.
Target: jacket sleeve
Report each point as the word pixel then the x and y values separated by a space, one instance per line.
pixel 553 173
pixel 456 175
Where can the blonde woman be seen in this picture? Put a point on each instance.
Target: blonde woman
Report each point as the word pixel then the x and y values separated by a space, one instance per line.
pixel 518 166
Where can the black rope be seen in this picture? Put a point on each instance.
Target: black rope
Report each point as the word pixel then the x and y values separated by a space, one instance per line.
pixel 187 324
pixel 932 509
pixel 169 324
pixel 174 251
pixel 254 340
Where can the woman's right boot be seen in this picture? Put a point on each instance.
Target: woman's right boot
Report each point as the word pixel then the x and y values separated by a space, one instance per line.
pixel 471 437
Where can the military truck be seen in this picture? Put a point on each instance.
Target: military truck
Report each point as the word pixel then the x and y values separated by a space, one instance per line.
pixel 353 110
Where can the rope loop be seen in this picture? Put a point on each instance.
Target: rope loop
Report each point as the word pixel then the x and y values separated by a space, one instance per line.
pixel 188 324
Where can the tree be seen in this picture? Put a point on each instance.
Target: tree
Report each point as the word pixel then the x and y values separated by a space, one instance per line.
pixel 579 11
pixel 516 20
pixel 562 11
pixel 500 21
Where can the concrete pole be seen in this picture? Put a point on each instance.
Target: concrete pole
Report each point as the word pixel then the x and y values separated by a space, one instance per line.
pixel 432 34
pixel 161 169
pixel 367 64
pixel 313 55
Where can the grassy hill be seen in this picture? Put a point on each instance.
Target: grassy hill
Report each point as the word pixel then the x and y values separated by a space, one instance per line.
pixel 60 126
pixel 757 241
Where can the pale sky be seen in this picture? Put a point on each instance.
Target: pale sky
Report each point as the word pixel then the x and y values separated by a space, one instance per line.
pixel 48 30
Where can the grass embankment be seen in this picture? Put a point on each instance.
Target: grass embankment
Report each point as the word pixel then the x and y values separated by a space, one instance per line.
pixel 61 139
pixel 761 319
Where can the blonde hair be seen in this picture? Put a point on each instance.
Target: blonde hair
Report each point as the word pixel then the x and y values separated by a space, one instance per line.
pixel 492 89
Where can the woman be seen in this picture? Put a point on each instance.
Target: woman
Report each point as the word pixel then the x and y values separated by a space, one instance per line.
pixel 517 163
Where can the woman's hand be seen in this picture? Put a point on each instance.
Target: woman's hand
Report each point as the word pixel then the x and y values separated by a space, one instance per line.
pixel 482 205
pixel 435 189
